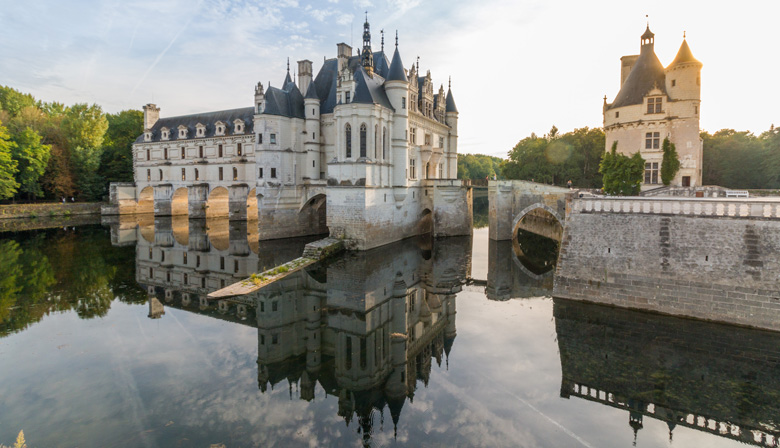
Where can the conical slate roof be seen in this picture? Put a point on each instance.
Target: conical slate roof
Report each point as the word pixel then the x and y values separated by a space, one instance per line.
pixel 397 72
pixel 647 74
pixel 311 92
pixel 684 55
pixel 450 106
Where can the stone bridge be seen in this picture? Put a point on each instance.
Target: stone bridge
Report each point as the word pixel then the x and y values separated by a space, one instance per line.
pixel 512 200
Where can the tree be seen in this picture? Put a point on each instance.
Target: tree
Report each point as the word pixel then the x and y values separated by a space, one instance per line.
pixel 32 157
pixel 670 164
pixel 478 166
pixel 85 127
pixel 622 175
pixel 116 163
pixel 14 101
pixel 8 166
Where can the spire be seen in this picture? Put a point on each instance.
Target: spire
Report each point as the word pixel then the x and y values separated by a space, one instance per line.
pixel 287 79
pixel 450 105
pixel 382 32
pixel 396 38
pixel 396 71
pixel 684 55
pixel 367 56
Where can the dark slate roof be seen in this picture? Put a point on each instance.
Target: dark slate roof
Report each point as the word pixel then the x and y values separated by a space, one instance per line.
pixel 369 90
pixel 287 102
pixel 647 73
pixel 450 107
pixel 311 92
pixel 684 55
pixel 287 79
pixel 381 64
pixel 396 71
pixel 326 85
pixel 208 118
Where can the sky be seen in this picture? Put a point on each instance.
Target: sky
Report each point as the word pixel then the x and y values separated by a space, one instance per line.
pixel 517 67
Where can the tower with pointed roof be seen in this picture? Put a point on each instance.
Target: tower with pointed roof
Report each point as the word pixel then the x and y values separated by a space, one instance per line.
pixel 654 103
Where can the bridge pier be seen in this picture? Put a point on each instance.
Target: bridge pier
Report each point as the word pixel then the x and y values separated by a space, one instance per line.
pixel 163 200
pixel 197 195
pixel 237 206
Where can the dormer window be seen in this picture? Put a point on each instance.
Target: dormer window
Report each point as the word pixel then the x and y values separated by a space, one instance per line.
pixel 201 130
pixel 147 136
pixel 182 131
pixel 654 105
pixel 165 133
pixel 220 128
pixel 238 126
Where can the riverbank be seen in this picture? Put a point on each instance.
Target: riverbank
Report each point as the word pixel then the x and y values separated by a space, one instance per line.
pixel 48 210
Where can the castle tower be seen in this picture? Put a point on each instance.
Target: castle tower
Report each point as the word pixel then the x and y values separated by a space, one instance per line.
pixel 397 88
pixel 451 114
pixel 313 137
pixel 655 103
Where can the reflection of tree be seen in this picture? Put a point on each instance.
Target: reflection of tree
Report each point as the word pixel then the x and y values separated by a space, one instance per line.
pixel 86 277
pixel 539 254
pixel 481 212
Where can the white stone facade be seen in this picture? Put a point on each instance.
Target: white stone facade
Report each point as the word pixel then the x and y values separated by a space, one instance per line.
pixel 365 133
pixel 655 103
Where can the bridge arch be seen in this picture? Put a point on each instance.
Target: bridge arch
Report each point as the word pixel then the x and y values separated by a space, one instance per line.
pixel 145 201
pixel 218 203
pixel 317 206
pixel 180 202
pixel 536 245
pixel 529 209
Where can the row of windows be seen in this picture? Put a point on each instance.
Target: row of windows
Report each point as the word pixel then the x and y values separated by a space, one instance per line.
pixel 272 139
pixel 196 174
pixel 183 152
pixel 186 279
pixel 364 141
pixel 197 262
pixel 428 138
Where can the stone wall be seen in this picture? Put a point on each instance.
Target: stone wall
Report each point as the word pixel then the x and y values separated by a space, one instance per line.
pixel 23 211
pixel 715 268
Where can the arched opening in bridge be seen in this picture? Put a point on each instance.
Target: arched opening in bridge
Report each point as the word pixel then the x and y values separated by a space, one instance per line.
pixel 145 201
pixel 180 202
pixel 251 205
pixel 425 225
pixel 316 208
pixel 218 203
pixel 218 231
pixel 537 237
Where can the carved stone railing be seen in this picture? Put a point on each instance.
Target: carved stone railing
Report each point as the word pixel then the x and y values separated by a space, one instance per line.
pixel 760 208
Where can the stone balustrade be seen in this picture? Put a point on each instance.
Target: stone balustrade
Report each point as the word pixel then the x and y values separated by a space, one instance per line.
pixel 761 208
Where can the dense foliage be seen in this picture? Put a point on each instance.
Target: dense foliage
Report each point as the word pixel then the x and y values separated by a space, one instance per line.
pixel 622 175
pixel 557 159
pixel 478 166
pixel 670 164
pixel 49 150
pixel 742 160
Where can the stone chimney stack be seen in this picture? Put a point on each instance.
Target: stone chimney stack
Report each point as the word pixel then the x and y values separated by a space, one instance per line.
pixel 344 53
pixel 304 75
pixel 151 115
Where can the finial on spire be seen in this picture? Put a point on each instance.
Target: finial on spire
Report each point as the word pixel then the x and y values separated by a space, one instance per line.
pixel 288 64
pixel 449 84
pixel 366 16
pixel 396 38
pixel 382 32
pixel 418 65
pixel 683 34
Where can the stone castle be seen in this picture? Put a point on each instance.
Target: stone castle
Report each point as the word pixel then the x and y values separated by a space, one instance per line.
pixel 655 103
pixel 366 150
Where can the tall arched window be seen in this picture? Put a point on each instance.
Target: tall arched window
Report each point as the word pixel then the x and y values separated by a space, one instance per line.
pixel 363 132
pixel 384 143
pixel 348 137
pixel 376 141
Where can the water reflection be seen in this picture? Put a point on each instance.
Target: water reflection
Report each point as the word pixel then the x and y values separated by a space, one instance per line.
pixel 365 327
pixel 54 270
pixel 715 378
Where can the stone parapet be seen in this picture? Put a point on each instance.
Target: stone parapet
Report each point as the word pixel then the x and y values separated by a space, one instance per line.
pixel 762 208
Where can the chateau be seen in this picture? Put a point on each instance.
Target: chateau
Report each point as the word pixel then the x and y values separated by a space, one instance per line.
pixel 655 103
pixel 366 150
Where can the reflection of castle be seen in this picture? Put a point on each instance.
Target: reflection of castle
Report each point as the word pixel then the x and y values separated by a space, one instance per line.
pixel 365 328
pixel 711 377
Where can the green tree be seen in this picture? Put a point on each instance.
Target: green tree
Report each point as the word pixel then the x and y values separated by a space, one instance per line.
pixel 478 166
pixel 32 157
pixel 670 164
pixel 116 163
pixel 14 101
pixel 8 166
pixel 85 127
pixel 622 175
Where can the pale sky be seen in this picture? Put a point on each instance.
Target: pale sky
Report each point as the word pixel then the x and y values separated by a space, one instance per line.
pixel 517 67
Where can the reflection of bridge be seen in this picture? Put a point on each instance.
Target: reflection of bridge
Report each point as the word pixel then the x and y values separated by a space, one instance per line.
pixel 366 328
pixel 711 377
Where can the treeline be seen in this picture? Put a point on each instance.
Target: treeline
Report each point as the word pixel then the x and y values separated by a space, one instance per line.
pixel 53 151
pixel 741 159
pixel 558 158
pixel 478 166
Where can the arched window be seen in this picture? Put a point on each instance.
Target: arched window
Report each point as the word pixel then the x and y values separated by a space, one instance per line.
pixel 384 143
pixel 376 141
pixel 363 132
pixel 348 137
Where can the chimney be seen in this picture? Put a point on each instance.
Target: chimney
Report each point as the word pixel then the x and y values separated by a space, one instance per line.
pixel 304 75
pixel 344 53
pixel 151 115
pixel 626 64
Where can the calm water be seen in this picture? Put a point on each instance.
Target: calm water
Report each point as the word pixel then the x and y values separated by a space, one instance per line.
pixel 105 341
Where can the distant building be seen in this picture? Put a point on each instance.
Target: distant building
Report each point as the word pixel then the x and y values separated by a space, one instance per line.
pixel 655 103
pixel 359 151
